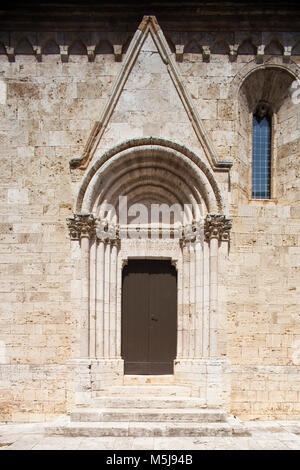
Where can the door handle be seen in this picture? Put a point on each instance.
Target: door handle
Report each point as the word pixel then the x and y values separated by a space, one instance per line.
pixel 154 318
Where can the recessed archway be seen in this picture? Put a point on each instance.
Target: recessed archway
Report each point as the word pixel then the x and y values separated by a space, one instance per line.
pixel 146 172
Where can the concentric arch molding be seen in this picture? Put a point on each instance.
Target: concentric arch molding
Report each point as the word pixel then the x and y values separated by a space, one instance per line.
pixel 156 146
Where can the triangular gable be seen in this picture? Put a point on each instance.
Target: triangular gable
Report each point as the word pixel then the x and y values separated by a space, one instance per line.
pixel 150 25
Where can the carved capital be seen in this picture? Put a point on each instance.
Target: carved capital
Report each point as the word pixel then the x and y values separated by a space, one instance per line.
pixel 81 225
pixel 192 233
pixel 108 232
pixel 217 226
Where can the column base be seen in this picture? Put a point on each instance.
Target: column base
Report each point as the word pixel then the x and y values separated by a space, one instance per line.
pixel 106 372
pixel 210 379
pixel 80 392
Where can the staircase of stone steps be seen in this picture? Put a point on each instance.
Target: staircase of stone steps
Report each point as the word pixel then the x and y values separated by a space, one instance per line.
pixel 146 409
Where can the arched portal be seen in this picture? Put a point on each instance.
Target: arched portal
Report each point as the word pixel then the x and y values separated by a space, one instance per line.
pixel 121 213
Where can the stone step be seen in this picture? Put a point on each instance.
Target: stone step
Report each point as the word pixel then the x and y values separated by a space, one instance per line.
pixel 148 379
pixel 137 429
pixel 148 402
pixel 146 390
pixel 147 415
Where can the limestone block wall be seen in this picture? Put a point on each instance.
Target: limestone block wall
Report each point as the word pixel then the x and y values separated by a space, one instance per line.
pixel 265 392
pixel 288 148
pixel 46 117
pixel 263 309
pixel 45 121
pixel 33 393
pixel 47 112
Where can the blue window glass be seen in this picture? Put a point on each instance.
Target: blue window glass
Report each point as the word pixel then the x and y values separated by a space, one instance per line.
pixel 261 169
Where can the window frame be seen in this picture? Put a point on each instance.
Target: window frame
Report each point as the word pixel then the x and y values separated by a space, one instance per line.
pixel 272 158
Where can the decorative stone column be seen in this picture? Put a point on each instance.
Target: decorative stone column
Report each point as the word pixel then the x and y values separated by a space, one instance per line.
pixel 216 230
pixel 82 229
pixel 107 367
pixel 199 362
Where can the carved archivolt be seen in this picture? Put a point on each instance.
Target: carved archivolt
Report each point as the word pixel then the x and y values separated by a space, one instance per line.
pixel 146 173
pixel 171 166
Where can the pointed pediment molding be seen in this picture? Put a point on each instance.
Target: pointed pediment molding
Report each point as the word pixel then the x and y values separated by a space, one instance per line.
pixel 149 25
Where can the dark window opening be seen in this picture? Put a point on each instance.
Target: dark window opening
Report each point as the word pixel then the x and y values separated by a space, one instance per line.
pixel 261 167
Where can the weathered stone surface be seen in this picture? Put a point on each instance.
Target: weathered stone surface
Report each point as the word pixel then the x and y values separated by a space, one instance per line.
pixel 50 112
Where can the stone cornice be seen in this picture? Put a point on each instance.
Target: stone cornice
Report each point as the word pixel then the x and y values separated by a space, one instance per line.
pixel 173 15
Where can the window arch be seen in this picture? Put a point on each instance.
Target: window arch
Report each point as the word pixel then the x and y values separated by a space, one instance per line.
pixel 268 85
pixel 261 154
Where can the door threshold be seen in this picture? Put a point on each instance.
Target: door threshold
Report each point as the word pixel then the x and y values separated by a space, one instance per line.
pixel 148 379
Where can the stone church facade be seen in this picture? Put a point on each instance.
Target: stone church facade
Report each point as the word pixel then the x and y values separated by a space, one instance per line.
pixel 151 117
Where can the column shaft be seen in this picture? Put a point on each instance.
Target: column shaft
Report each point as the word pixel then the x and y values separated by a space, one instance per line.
pixel 179 306
pixel 191 323
pixel 213 294
pixel 84 319
pixel 205 317
pixel 186 302
pixel 92 313
pixel 100 301
pixel 106 326
pixel 119 306
pixel 198 300
pixel 113 302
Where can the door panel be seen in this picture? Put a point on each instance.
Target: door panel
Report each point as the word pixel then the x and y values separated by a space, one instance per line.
pixel 135 300
pixel 149 317
pixel 162 312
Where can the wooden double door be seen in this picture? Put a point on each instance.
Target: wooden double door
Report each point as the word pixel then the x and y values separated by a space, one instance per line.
pixel 149 317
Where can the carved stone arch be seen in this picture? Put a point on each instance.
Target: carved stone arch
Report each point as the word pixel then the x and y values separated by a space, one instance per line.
pixel 193 46
pixel 247 46
pixel 274 63
pixel 274 47
pixel 220 46
pixel 104 46
pixel 158 171
pixel 50 46
pixel 269 83
pixel 181 156
pixel 24 46
pixel 296 48
pixel 150 170
pixel 77 47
